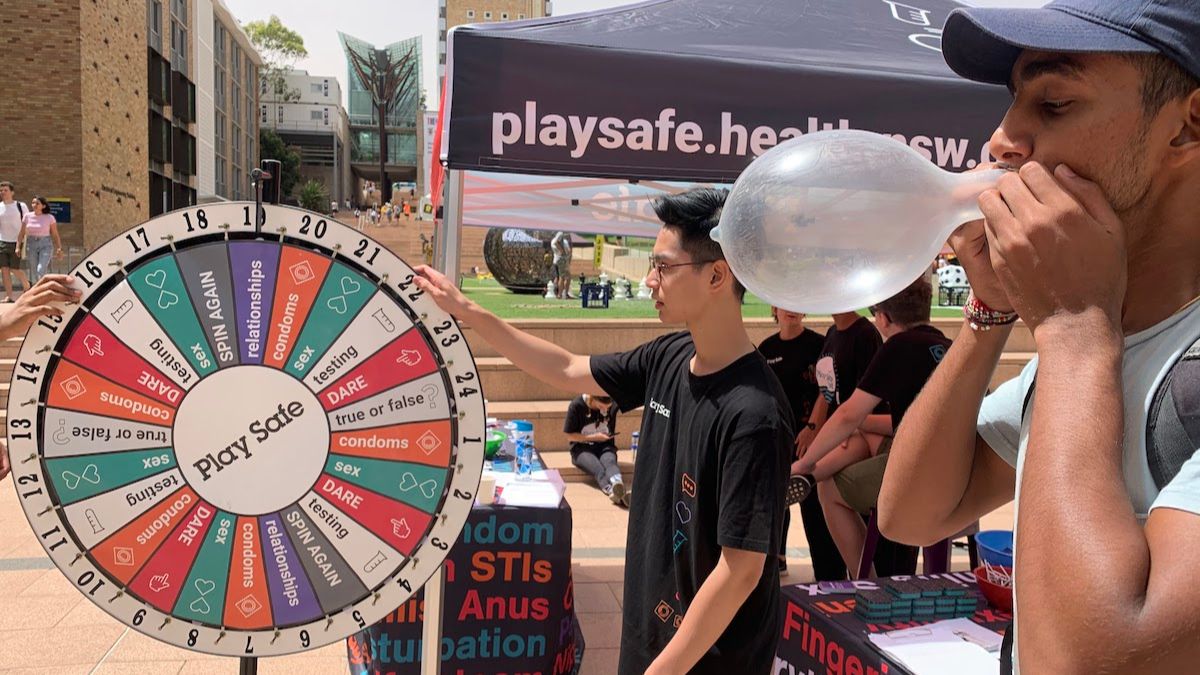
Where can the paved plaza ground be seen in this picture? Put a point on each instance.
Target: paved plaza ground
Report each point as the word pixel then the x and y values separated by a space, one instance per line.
pixel 48 628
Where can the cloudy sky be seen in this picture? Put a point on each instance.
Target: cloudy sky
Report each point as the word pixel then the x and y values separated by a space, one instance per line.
pixel 385 21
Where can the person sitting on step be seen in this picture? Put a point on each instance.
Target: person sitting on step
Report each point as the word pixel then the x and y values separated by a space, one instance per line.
pixel 591 426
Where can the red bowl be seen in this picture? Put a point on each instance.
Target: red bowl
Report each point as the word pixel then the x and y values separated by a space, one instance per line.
pixel 1000 597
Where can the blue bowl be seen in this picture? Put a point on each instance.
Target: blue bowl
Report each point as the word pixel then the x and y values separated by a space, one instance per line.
pixel 996 547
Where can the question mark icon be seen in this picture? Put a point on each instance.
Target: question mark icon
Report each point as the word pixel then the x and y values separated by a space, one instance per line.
pixel 430 390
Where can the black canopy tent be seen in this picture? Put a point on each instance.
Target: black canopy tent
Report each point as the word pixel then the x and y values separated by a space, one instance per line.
pixel 693 90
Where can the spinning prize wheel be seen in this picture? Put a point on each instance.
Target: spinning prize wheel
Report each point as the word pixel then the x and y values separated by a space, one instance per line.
pixel 246 443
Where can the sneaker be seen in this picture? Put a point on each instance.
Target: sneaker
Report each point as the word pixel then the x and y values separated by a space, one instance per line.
pixel 798 489
pixel 783 567
pixel 617 493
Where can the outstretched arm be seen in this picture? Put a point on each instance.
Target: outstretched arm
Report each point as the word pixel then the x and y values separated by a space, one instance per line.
pixel 544 360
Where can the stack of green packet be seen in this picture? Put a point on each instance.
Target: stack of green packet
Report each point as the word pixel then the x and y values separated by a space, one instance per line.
pixel 874 606
pixel 965 603
pixel 917 599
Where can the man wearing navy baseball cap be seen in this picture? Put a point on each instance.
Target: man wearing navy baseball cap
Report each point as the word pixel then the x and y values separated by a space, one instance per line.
pixel 1094 241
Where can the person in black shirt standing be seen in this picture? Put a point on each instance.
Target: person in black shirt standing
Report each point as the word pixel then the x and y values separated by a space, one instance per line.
pixel 850 344
pixel 848 456
pixel 792 353
pixel 591 426
pixel 701 580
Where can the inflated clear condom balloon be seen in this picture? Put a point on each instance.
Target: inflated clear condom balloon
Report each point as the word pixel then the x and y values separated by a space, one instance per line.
pixel 839 220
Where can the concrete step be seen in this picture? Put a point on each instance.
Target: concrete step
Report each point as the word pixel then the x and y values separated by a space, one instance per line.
pixel 547 418
pixel 601 336
pixel 547 414
pixel 561 461
pixel 504 382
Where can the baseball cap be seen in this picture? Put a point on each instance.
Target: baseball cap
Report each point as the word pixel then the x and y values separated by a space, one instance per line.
pixel 982 44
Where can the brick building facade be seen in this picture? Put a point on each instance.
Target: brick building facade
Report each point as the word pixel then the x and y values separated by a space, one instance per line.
pixel 98 107
pixel 73 110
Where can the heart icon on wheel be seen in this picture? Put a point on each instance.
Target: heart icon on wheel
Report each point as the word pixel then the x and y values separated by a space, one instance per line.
pixel 407 482
pixel 167 299
pixel 350 286
pixel 205 586
pixel 200 606
pixel 91 474
pixel 337 304
pixel 157 279
pixel 428 487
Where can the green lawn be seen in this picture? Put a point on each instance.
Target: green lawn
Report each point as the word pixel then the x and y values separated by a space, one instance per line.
pixel 507 305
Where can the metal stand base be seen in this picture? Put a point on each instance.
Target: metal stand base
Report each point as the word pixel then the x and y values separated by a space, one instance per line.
pixel 248 665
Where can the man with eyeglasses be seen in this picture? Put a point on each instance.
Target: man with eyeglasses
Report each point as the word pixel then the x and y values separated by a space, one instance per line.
pixel 701 578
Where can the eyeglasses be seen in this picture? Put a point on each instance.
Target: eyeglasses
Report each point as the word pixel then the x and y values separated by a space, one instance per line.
pixel 662 267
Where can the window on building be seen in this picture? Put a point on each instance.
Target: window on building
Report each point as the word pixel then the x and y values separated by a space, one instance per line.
pixel 442 11
pixel 179 10
pixel 315 87
pixel 179 47
pixel 219 88
pixel 219 133
pixel 504 16
pixel 487 16
pixel 235 63
pixel 314 115
pixel 263 119
pixel 222 188
pixel 154 27
pixel 520 16
pixel 470 14
pixel 237 149
pixel 218 42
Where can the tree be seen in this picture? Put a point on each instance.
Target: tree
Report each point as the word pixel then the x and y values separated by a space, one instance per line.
pixel 313 196
pixel 280 48
pixel 271 146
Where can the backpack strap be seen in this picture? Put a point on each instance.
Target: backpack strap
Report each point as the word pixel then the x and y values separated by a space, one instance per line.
pixel 1028 399
pixel 1173 421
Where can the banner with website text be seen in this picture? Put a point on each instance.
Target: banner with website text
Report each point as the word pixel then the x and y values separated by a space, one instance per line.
pixel 693 90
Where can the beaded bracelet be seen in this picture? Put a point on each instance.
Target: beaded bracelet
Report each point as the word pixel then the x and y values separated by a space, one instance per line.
pixel 983 318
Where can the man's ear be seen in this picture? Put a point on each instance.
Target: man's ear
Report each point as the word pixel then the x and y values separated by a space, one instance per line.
pixel 1185 145
pixel 721 275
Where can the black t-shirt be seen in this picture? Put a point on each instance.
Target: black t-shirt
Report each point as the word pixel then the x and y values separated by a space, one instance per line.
pixel 844 358
pixel 794 363
pixel 583 419
pixel 710 473
pixel 902 367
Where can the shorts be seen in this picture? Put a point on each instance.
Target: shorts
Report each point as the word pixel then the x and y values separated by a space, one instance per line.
pixel 859 484
pixel 8 255
pixel 561 268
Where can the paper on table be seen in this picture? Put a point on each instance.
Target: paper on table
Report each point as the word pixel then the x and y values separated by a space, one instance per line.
pixel 952 647
pixel 950 630
pixel 543 493
pixel 945 658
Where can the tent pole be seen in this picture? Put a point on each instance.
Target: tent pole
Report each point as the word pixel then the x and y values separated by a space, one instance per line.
pixel 449 238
